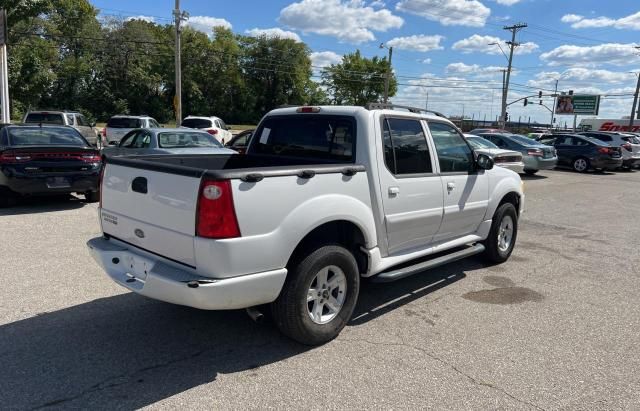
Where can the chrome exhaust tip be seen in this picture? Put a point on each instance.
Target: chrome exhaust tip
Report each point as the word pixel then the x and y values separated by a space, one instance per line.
pixel 255 315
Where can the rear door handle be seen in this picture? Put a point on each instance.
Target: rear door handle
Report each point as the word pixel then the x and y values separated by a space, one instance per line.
pixel 451 186
pixel 394 191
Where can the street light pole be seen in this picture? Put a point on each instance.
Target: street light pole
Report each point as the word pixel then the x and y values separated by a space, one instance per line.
pixel 4 69
pixel 553 111
pixel 388 76
pixel 635 104
pixel 177 99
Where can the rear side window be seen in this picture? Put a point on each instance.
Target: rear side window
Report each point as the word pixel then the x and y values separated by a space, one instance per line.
pixel 454 154
pixel 405 147
pixel 601 137
pixel 124 122
pixel 196 123
pixel 45 118
pixel 323 137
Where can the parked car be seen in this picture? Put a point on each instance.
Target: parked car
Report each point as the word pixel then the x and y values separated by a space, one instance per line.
pixel 582 153
pixel 240 141
pixel 212 125
pixel 118 126
pixel 320 200
pixel 477 131
pixel 629 144
pixel 64 118
pixel 503 158
pixel 45 160
pixel 166 141
pixel 536 156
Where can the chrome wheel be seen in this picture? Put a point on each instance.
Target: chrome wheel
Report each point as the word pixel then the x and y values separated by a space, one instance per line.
pixel 580 165
pixel 326 294
pixel 505 233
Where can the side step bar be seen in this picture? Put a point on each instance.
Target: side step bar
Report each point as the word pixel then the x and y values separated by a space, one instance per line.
pixel 389 276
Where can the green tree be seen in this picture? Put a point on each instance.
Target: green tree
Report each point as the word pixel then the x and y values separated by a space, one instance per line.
pixel 358 80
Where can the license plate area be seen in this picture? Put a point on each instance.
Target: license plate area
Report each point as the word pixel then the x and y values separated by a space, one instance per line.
pixel 137 267
pixel 58 182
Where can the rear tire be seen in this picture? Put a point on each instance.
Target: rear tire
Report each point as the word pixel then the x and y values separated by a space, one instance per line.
pixel 502 236
pixel 581 165
pixel 530 172
pixel 92 196
pixel 319 295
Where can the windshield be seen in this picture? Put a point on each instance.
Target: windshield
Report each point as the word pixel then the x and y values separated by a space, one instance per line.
pixel 124 122
pixel 45 118
pixel 43 136
pixel 196 123
pixel 480 143
pixel 323 137
pixel 182 139
pixel 525 141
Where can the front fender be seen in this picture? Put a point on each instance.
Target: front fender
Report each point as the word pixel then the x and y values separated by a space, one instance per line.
pixel 502 183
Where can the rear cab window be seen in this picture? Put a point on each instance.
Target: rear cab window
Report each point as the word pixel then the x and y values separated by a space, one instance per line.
pixel 124 122
pixel 46 118
pixel 327 138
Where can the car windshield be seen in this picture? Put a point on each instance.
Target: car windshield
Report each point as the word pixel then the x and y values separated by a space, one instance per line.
pixel 180 139
pixel 124 122
pixel 196 123
pixel 525 141
pixel 44 136
pixel 45 118
pixel 480 143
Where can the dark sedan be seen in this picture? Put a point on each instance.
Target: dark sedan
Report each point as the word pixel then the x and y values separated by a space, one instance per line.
pixel 582 153
pixel 46 160
pixel 535 155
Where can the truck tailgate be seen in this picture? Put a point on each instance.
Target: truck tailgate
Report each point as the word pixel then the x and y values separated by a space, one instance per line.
pixel 152 210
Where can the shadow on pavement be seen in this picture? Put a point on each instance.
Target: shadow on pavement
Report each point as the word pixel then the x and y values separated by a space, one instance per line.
pixel 128 352
pixel 33 205
pixel 525 177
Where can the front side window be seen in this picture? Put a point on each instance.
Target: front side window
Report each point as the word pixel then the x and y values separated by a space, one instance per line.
pixel 142 140
pixel 454 154
pixel 128 140
pixel 405 147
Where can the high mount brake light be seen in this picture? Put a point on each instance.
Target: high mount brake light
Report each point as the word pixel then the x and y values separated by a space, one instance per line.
pixel 307 109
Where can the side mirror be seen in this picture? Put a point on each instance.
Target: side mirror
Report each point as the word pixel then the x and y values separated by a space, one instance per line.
pixel 484 162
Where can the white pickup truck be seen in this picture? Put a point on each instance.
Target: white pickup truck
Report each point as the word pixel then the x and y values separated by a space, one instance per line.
pixel 324 196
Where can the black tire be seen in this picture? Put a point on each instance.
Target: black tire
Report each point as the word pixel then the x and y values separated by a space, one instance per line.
pixel 581 165
pixel 7 198
pixel 92 196
pixel 492 252
pixel 530 172
pixel 291 310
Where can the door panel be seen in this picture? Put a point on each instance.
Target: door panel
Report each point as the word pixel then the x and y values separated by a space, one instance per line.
pixel 411 192
pixel 465 190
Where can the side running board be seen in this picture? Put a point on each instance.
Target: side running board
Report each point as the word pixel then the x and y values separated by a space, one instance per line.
pixel 389 276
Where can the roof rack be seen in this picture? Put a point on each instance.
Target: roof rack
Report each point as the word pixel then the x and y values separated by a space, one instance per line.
pixel 391 106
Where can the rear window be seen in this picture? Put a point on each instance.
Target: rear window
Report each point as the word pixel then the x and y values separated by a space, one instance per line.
pixel 124 122
pixel 196 123
pixel 45 118
pixel 176 139
pixel 323 137
pixel 43 136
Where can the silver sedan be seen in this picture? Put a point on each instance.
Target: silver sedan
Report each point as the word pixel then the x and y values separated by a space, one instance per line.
pixel 166 141
pixel 502 158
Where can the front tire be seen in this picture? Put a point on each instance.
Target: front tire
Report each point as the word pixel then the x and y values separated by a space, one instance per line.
pixel 319 296
pixel 502 236
pixel 530 172
pixel 581 165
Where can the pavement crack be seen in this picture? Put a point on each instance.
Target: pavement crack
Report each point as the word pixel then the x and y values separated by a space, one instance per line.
pixel 471 378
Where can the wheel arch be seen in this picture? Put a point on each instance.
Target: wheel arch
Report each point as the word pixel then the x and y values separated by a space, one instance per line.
pixel 511 197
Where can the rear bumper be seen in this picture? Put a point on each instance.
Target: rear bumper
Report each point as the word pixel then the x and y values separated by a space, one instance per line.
pixel 42 184
pixel 606 163
pixel 517 167
pixel 538 163
pixel 154 277
pixel 631 162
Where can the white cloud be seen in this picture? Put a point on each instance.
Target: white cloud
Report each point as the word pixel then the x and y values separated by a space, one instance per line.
pixel 612 53
pixel 274 32
pixel 417 43
pixel 475 70
pixel 426 61
pixel 631 22
pixel 507 2
pixel 206 24
pixel 348 21
pixel 148 19
pixel 481 44
pixel 325 58
pixel 378 4
pixel 448 12
pixel 581 78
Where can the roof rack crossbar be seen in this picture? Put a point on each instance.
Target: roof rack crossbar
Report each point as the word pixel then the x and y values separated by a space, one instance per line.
pixel 391 106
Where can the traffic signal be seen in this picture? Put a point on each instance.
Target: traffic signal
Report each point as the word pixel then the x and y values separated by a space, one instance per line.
pixel 540 102
pixel 571 92
pixel 506 116
pixel 526 102
pixel 539 94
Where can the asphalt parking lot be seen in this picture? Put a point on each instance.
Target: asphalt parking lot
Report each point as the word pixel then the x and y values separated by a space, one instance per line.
pixel 556 327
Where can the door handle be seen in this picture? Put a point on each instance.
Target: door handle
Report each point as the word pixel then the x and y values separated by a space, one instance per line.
pixel 394 191
pixel 451 186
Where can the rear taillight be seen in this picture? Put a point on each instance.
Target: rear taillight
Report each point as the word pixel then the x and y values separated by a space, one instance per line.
pixel 212 132
pixel 536 152
pixel 9 158
pixel 605 150
pixel 91 158
pixel 104 132
pixel 627 147
pixel 216 214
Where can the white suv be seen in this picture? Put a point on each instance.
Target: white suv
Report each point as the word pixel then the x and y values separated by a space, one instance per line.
pixel 212 125
pixel 118 126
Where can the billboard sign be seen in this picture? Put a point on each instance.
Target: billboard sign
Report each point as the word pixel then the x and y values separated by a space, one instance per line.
pixel 578 104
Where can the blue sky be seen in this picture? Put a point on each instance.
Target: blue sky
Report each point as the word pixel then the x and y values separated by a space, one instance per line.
pixel 441 47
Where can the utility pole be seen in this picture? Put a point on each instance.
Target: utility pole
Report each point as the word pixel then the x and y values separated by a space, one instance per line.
pixel 4 70
pixel 553 109
pixel 179 17
pixel 426 105
pixel 634 107
pixel 512 45
pixel 388 76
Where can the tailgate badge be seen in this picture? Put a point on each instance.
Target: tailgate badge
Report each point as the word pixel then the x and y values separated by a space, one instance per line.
pixel 139 233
